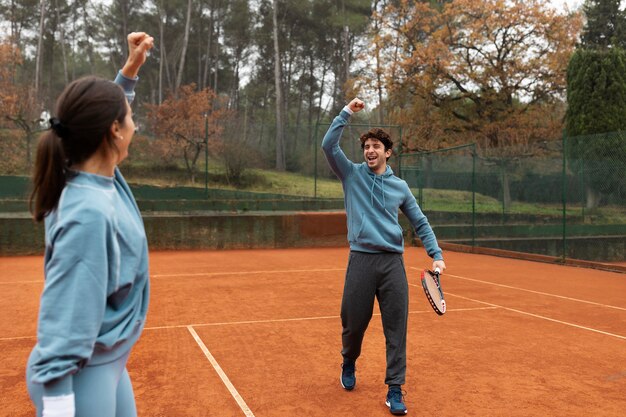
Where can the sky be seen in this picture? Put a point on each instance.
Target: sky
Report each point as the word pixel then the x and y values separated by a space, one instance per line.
pixel 572 4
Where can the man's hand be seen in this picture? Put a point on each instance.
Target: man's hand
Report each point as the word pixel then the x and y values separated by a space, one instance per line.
pixel 356 105
pixel 439 264
pixel 139 43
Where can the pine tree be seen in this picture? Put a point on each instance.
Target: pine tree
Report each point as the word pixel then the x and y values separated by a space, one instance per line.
pixel 605 25
pixel 596 96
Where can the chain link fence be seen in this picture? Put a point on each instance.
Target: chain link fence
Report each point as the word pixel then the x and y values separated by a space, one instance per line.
pixel 558 198
pixel 563 198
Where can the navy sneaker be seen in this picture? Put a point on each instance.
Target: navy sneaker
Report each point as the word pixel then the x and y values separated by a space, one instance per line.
pixel 395 402
pixel 348 377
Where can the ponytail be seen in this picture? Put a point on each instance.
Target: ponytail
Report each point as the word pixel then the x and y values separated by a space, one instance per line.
pixel 85 111
pixel 49 175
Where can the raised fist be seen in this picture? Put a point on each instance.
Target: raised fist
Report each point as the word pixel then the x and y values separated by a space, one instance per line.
pixel 139 43
pixel 356 105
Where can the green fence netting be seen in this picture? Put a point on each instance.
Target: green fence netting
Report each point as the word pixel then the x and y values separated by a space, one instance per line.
pixel 560 198
pixel 564 198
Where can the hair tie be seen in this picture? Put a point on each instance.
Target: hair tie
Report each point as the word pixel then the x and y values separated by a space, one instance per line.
pixel 58 127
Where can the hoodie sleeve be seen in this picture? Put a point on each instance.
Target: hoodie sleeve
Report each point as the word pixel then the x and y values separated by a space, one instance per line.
pixel 127 84
pixel 339 163
pixel 73 301
pixel 421 226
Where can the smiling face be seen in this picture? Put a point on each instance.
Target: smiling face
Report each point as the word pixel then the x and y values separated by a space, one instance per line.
pixel 375 155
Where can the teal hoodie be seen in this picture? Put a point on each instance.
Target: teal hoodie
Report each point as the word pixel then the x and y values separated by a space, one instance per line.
pixel 372 201
pixel 96 290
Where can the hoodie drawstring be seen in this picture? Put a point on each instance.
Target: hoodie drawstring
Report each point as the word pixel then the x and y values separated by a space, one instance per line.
pixel 382 188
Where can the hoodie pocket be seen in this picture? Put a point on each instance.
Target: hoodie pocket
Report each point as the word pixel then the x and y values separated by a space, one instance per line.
pixel 380 234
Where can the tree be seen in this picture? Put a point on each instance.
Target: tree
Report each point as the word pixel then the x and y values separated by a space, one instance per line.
pixel 183 54
pixel 10 58
pixel 62 40
pixel 605 25
pixel 481 68
pixel 596 112
pixel 345 25
pixel 183 120
pixel 42 19
pixel 19 103
pixel 480 62
pixel 280 135
pixel 12 155
pixel 21 15
pixel 237 37
pixel 26 115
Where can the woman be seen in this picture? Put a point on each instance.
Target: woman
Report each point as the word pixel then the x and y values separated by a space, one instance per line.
pixel 96 290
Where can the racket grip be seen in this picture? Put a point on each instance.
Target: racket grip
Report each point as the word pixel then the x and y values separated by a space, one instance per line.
pixel 437 271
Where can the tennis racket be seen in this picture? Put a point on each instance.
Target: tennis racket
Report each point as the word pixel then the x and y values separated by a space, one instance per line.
pixel 432 288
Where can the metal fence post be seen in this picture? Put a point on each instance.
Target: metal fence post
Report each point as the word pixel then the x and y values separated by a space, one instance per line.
pixel 564 197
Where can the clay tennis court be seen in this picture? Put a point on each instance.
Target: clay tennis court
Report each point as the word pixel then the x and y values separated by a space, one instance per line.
pixel 257 333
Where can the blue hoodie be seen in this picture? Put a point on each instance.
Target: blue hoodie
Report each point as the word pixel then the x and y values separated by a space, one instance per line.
pixel 95 297
pixel 372 201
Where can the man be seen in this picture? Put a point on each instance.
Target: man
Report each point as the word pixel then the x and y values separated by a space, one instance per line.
pixel 372 196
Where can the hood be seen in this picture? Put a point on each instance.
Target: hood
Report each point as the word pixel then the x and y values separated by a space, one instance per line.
pixel 381 180
pixel 388 172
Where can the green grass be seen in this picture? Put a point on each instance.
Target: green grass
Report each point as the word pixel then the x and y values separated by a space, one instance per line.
pixel 254 180
pixel 287 183
pixel 461 202
pixel 295 184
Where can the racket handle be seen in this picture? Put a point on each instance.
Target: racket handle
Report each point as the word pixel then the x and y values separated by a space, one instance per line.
pixel 437 271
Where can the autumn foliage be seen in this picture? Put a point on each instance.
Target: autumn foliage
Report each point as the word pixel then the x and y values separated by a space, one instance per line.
pixel 490 71
pixel 20 112
pixel 10 57
pixel 184 123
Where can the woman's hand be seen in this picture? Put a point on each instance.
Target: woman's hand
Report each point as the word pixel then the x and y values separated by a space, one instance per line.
pixel 139 43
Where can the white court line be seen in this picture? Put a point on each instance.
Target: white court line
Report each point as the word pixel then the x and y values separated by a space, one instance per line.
pixel 533 291
pixel 537 316
pixel 279 271
pixel 545 318
pixel 233 391
pixel 2 339
pixel 227 323
pixel 208 274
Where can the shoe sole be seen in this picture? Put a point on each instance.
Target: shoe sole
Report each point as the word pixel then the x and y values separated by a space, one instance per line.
pixel 395 413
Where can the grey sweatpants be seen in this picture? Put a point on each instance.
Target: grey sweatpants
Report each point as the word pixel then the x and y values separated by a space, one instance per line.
pixel 380 275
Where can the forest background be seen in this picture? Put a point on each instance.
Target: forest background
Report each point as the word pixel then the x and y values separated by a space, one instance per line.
pixel 252 84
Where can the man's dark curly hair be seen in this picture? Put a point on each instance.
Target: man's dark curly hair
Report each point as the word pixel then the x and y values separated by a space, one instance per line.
pixel 379 134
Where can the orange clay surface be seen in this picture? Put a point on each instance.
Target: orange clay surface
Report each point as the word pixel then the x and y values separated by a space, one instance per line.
pixel 257 333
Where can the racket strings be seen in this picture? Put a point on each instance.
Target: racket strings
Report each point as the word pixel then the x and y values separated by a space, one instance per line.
pixel 434 294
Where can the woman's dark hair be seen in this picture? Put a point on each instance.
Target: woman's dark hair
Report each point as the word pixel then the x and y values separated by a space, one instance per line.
pixel 85 111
